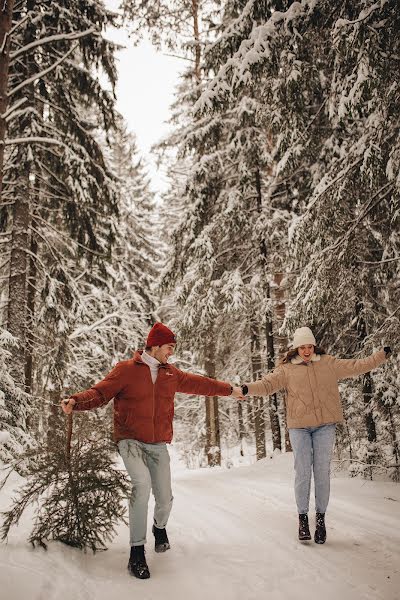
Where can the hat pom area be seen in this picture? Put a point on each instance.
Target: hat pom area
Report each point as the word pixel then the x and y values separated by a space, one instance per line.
pixel 303 336
pixel 160 334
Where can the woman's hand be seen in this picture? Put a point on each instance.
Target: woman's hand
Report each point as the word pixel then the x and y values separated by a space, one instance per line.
pixel 237 393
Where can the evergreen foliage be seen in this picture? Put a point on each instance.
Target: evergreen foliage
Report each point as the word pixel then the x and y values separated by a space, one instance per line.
pixel 304 99
pixel 78 493
pixel 87 264
pixel 14 437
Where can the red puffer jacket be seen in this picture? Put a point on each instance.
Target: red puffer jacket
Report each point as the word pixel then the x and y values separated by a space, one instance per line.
pixel 142 410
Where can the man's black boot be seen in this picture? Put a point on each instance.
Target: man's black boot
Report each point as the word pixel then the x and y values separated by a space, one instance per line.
pixel 304 530
pixel 137 564
pixel 161 542
pixel 320 530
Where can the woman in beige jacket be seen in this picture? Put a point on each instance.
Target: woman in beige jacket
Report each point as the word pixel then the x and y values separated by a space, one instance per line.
pixel 310 378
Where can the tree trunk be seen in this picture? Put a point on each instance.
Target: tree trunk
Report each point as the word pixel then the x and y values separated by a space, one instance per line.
pixel 367 378
pixel 369 419
pixel 213 443
pixel 17 294
pixel 5 27
pixel 273 403
pixel 278 296
pixel 273 400
pixel 258 402
pixel 17 299
pixel 366 387
pixel 196 35
pixel 395 442
pixel 31 313
pixel 241 426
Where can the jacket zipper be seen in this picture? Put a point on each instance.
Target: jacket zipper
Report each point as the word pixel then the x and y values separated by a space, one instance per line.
pixel 312 392
pixel 154 411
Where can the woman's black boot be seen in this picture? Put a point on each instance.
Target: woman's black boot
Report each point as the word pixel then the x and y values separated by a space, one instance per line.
pixel 304 530
pixel 320 529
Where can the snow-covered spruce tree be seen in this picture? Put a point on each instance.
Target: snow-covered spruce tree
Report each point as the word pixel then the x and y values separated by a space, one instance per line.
pixel 67 191
pixel 54 166
pixel 334 104
pixel 13 436
pixel 117 305
pixel 236 161
pixel 88 321
pixel 5 28
pixel 353 214
pixel 77 489
pixel 183 26
pixel 86 306
pixel 202 144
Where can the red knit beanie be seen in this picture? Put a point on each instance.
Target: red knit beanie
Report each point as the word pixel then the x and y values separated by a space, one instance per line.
pixel 160 334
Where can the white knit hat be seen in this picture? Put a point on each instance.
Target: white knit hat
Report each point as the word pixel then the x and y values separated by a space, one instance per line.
pixel 302 337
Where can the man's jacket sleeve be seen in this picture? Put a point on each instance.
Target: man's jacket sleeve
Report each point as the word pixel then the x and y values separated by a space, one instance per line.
pixel 202 386
pixel 102 392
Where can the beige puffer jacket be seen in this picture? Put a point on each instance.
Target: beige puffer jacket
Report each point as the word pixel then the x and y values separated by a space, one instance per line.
pixel 312 392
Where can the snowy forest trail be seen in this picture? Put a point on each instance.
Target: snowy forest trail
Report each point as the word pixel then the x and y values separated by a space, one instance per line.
pixel 233 535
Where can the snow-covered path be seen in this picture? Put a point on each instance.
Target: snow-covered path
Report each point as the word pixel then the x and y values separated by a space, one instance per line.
pixel 233 535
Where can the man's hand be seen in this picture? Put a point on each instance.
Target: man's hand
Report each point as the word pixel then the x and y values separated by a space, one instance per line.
pixel 237 393
pixel 68 405
pixel 388 351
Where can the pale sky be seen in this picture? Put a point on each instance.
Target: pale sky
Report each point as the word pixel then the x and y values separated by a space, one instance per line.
pixel 145 91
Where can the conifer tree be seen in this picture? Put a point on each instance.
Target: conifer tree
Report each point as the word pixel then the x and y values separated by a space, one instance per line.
pixel 330 110
pixel 54 165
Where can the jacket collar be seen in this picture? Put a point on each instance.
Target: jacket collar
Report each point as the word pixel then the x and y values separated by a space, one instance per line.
pixel 297 360
pixel 137 357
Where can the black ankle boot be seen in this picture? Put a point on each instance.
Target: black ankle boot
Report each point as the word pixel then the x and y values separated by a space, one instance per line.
pixel 161 542
pixel 304 530
pixel 137 564
pixel 320 530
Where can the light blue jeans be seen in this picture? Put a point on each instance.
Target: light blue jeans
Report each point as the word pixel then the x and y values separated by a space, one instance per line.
pixel 148 466
pixel 312 449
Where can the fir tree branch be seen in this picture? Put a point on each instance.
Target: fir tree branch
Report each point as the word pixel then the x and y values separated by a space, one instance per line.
pixel 379 262
pixel 42 73
pixel 69 239
pixel 53 38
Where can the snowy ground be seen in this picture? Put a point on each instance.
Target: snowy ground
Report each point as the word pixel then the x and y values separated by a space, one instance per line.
pixel 233 536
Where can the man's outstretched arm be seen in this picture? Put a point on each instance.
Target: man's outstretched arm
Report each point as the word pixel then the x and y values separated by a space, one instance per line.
pixel 98 395
pixel 205 386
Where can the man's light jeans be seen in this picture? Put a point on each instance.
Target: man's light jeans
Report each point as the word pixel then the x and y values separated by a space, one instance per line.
pixel 312 449
pixel 148 466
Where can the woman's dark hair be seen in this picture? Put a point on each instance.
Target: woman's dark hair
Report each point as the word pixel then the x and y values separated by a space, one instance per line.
pixel 148 348
pixel 292 353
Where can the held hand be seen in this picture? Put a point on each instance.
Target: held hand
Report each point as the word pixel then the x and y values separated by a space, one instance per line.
pixel 68 405
pixel 388 351
pixel 237 393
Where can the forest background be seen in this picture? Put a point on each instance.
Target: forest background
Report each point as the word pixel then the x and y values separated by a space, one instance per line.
pixel 282 210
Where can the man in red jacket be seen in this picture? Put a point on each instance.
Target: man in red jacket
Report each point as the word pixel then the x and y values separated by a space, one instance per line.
pixel 143 389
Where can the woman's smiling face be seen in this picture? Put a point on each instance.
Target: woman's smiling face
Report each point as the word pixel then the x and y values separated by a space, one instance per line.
pixel 305 352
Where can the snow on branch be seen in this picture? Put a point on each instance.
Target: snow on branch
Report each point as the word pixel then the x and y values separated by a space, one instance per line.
pixel 42 73
pixel 13 107
pixel 69 239
pixel 87 328
pixel 53 38
pixel 256 48
pixel 32 140
pixel 364 14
